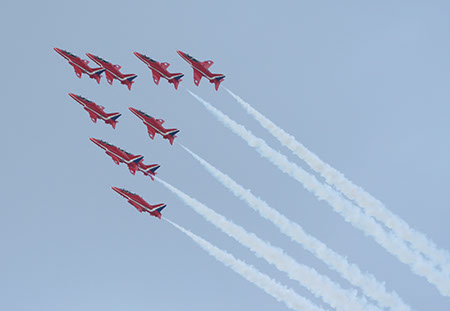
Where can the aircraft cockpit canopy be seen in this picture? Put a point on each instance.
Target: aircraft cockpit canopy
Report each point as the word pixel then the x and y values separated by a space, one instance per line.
pixel 85 99
pixel 129 192
pixel 148 58
pixel 144 113
pixel 191 58
pixel 67 52
pixel 101 59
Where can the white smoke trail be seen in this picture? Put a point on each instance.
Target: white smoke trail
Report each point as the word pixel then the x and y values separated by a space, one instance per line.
pixel 367 282
pixel 371 205
pixel 320 285
pixel 251 274
pixel 345 208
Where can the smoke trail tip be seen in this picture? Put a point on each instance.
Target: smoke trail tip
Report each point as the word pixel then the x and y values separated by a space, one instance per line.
pixel 185 148
pixel 190 92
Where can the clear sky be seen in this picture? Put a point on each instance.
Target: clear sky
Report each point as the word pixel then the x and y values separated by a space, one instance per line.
pixel 364 84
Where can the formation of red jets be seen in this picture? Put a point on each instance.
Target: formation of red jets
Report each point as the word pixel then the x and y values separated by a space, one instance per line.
pixel 154 126
pixel 159 70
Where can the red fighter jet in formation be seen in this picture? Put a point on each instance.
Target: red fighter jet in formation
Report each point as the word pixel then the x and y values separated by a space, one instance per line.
pixel 96 112
pixel 160 70
pixel 202 69
pixel 139 203
pixel 81 65
pixel 113 71
pixel 155 125
pixel 134 162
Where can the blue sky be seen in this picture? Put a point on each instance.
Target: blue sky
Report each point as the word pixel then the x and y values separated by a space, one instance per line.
pixel 364 85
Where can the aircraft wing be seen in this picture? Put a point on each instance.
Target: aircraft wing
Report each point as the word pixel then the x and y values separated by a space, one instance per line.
pixel 109 77
pixel 151 132
pixel 132 169
pixel 135 205
pixel 156 76
pixel 115 159
pixel 207 64
pixel 78 71
pixel 197 77
pixel 93 116
pixel 165 65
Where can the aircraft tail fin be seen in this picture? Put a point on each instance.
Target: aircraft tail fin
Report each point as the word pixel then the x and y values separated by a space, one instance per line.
pixel 112 118
pixel 161 208
pixel 137 159
pixel 129 77
pixel 170 135
pixel 97 74
pixel 128 80
pixel 217 79
pixel 150 168
pixel 175 78
pixel 157 209
pixel 172 132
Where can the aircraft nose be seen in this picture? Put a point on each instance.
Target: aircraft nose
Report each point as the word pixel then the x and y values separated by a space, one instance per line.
pixel 58 51
pixel 115 189
pixel 137 54
pixel 133 110
pixel 72 95
pixel 95 141
pixel 180 53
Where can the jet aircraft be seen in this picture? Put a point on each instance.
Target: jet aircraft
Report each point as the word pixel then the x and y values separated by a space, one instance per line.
pixel 96 111
pixel 160 70
pixel 81 65
pixel 202 69
pixel 139 203
pixel 119 155
pixel 155 126
pixel 113 71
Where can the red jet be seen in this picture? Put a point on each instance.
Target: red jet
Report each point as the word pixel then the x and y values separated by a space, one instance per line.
pixel 81 65
pixel 139 203
pixel 118 155
pixel 113 71
pixel 160 70
pixel 202 69
pixel 95 111
pixel 155 126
